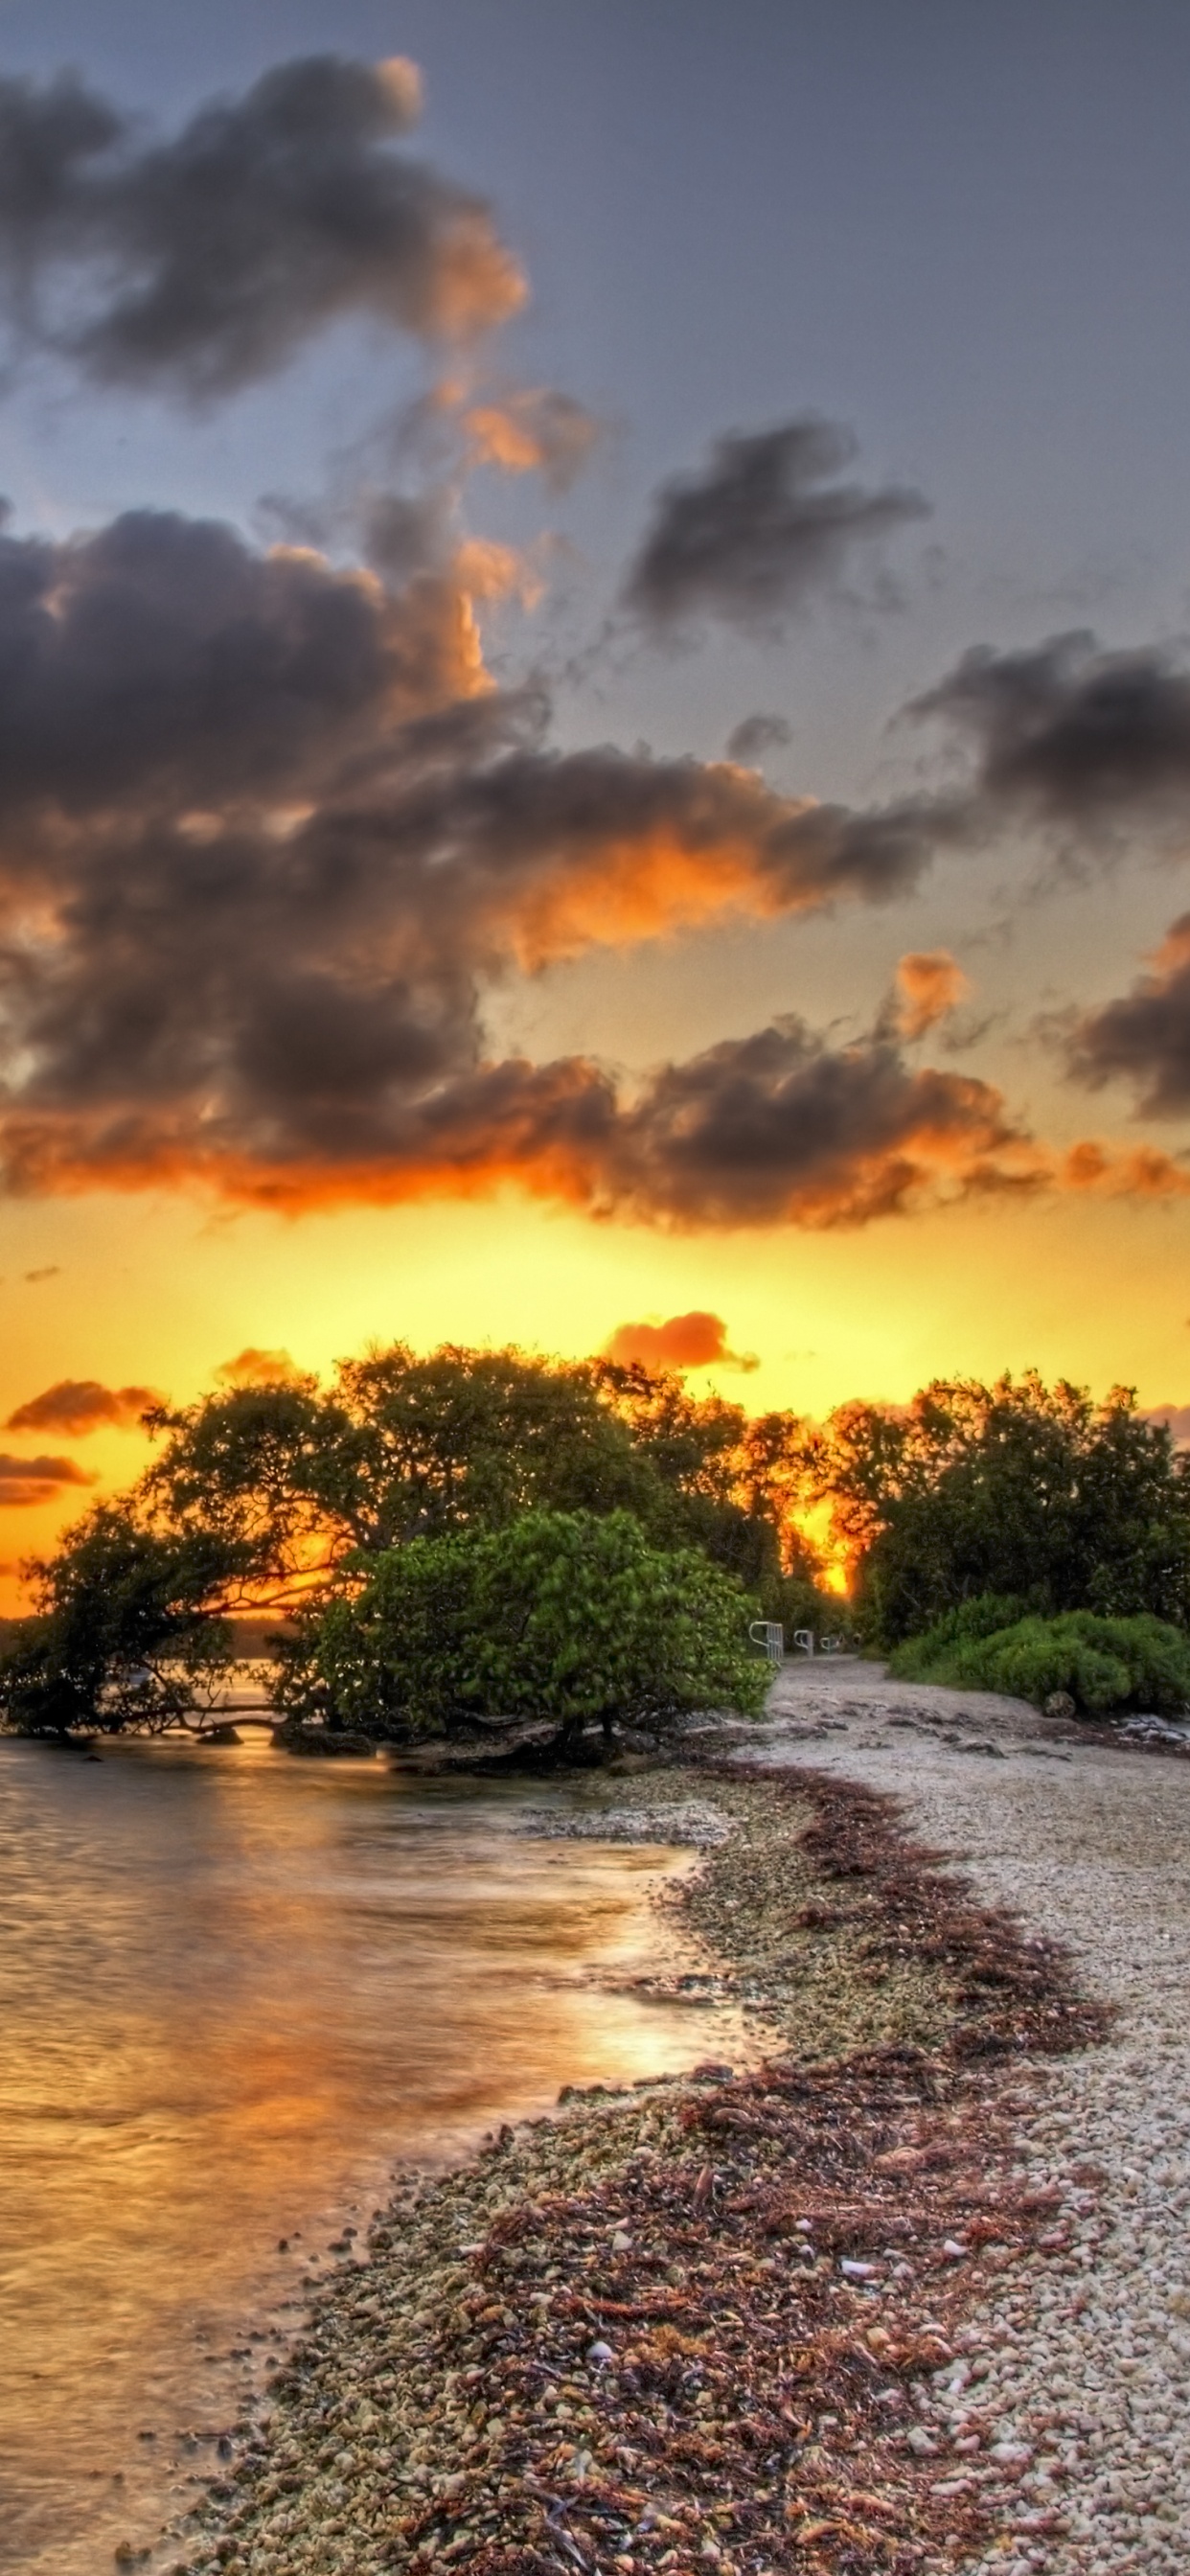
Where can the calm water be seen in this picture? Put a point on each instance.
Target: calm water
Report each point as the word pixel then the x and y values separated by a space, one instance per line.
pixel 234 1989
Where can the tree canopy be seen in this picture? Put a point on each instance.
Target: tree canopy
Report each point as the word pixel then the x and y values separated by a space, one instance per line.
pixel 404 1447
pixel 572 1618
pixel 281 1498
pixel 1018 1489
pixel 127 1629
pixel 289 1500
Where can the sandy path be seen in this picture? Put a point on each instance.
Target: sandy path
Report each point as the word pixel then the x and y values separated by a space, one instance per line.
pixel 1087 2367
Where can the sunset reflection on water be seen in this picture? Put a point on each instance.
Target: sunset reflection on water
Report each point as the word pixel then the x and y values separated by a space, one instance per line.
pixel 234 1988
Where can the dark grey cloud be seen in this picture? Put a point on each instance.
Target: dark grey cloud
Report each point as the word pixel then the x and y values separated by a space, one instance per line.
pixel 162 664
pixel 754 735
pixel 268 837
pixel 763 530
pixel 78 1405
pixel 312 1000
pixel 1143 1038
pixel 199 263
pixel 783 1126
pixel 1069 733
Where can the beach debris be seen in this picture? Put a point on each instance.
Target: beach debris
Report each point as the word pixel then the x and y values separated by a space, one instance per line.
pixel 700 2324
pixel 682 1820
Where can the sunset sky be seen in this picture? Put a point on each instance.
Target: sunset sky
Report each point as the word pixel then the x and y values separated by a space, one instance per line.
pixel 594 695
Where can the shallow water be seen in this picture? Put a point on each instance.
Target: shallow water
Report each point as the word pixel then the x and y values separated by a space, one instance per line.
pixel 234 1989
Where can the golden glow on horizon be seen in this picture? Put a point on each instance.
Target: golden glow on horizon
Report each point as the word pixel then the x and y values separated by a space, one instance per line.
pixel 160 1292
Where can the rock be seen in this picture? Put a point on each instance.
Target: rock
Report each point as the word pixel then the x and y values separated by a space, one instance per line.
pixel 326 1741
pixel 1059 1705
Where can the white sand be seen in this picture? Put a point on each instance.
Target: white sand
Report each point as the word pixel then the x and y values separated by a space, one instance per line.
pixel 1085 2362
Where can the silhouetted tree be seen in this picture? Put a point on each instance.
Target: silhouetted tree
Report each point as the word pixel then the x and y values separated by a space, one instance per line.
pixel 1022 1490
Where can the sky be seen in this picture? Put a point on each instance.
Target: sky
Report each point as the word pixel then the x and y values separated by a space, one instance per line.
pixel 594 697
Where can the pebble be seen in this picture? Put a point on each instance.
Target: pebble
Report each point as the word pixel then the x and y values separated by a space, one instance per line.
pixel 1079 2383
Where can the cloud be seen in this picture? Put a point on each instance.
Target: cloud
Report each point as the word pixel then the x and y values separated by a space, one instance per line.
pixel 77 1405
pixel 1143 1037
pixel 696 1340
pixel 160 664
pixel 269 840
pixel 278 992
pixel 782 1127
pixel 1136 1172
pixel 1174 1418
pixel 268 837
pixel 929 984
pixel 253 1367
pixel 201 263
pixel 50 1270
pixel 532 429
pixel 763 530
pixel 755 735
pixel 1069 733
pixel 27 1481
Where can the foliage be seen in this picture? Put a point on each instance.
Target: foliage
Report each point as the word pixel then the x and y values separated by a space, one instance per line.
pixel 570 1616
pixel 1105 1664
pixel 405 1447
pixel 277 1498
pixel 1017 1489
pixel 124 1632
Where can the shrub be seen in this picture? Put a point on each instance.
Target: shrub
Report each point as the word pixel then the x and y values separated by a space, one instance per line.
pixel 568 1616
pixel 1107 1665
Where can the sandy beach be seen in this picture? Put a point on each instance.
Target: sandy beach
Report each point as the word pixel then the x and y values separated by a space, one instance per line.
pixel 784 2314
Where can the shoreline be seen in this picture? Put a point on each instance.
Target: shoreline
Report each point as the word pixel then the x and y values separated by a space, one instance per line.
pixel 729 2292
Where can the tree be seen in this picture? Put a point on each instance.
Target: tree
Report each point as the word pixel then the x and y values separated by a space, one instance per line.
pixel 276 1498
pixel 1021 1490
pixel 572 1617
pixel 737 1488
pixel 400 1448
pixel 124 1631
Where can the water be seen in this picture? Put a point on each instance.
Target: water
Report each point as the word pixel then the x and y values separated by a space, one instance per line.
pixel 234 1989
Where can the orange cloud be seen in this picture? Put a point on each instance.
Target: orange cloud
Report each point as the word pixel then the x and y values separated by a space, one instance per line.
pixel 929 983
pixel 696 1340
pixel 1174 1418
pixel 28 1481
pixel 1140 1171
pixel 252 1367
pixel 532 430
pixel 79 1405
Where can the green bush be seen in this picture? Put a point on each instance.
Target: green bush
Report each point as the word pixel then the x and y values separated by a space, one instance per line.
pixel 569 1616
pixel 1107 1665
